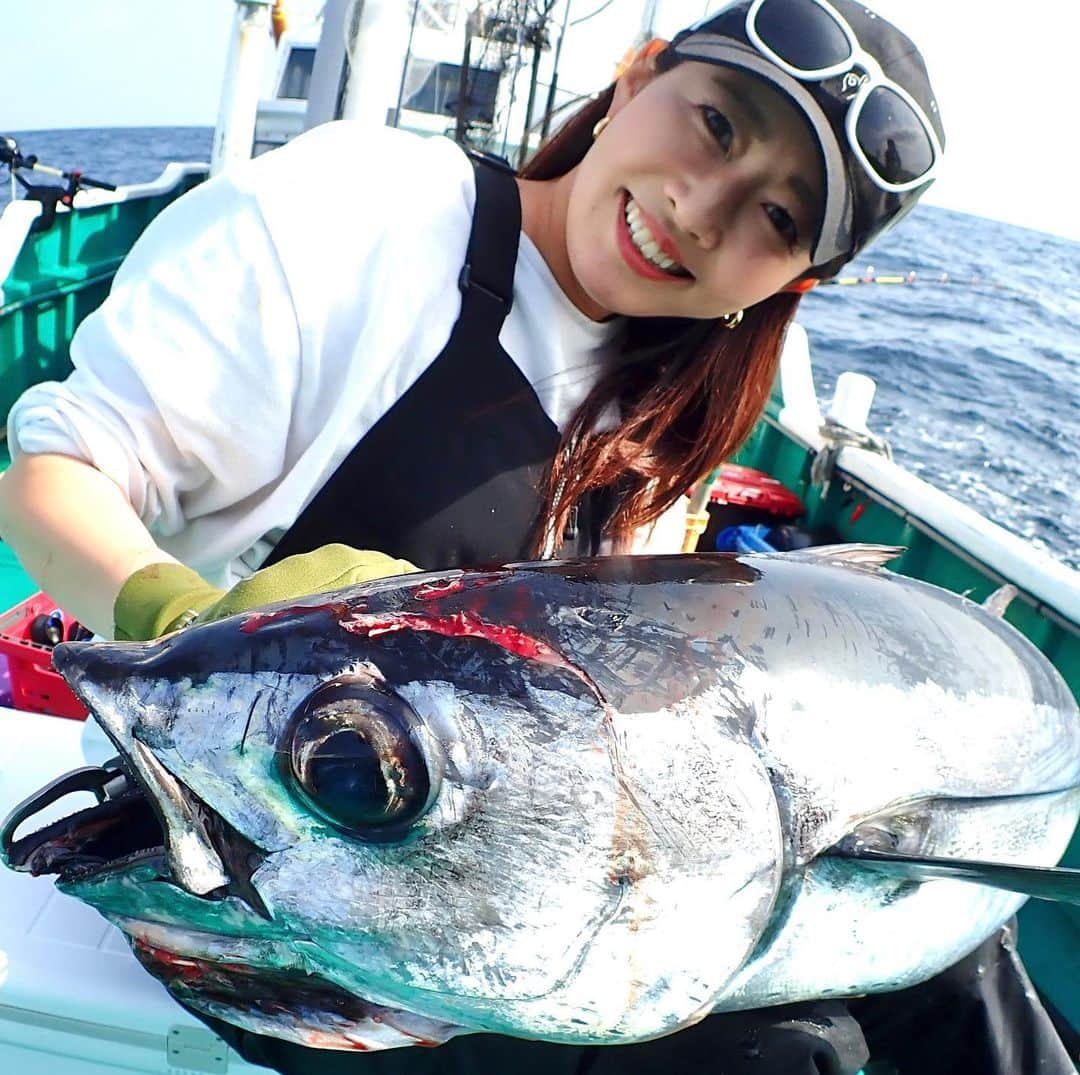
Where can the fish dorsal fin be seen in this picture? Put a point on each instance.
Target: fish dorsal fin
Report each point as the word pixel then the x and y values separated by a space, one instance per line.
pixel 1000 599
pixel 1058 883
pixel 855 555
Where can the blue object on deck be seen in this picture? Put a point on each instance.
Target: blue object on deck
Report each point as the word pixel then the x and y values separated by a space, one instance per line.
pixel 744 539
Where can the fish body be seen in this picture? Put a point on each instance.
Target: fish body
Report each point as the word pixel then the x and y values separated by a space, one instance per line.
pixel 574 801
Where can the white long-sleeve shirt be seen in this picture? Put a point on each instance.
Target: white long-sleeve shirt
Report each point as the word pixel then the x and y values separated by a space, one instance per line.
pixel 265 321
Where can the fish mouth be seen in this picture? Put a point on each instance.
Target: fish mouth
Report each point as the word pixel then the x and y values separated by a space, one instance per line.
pixel 124 830
pixel 124 834
pixel 120 831
pixel 203 855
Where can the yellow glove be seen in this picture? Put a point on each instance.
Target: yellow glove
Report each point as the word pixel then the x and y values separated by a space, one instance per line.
pixel 163 597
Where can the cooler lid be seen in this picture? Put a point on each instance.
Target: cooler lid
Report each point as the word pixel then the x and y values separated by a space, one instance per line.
pixel 752 488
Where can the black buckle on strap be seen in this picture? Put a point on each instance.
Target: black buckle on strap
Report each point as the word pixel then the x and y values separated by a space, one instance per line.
pixel 466 282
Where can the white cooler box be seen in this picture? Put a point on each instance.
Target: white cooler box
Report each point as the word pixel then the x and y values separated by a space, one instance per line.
pixel 73 999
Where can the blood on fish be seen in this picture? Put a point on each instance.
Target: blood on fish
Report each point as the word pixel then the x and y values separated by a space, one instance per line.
pixel 185 968
pixel 465 624
pixel 260 619
pixel 432 590
pixel 321 1039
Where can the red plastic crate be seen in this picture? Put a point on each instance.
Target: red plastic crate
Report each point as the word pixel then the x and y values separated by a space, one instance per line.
pixel 35 685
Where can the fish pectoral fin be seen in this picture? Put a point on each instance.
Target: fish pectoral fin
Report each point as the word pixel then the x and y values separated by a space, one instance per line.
pixel 1057 883
pixel 855 555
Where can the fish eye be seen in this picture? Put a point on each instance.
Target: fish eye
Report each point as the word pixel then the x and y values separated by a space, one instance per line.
pixel 359 757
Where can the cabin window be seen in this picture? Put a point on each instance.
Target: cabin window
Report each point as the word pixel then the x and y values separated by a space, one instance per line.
pixel 296 79
pixel 433 87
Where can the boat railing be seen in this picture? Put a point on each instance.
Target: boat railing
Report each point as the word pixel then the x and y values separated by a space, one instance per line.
pixel 1052 586
pixel 19 217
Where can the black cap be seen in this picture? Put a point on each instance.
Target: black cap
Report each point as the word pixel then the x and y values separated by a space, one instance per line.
pixel 856 209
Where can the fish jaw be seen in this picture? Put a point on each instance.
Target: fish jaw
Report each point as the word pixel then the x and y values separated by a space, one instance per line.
pixel 220 958
pixel 284 995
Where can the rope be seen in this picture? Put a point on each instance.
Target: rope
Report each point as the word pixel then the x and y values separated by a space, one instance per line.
pixel 837 437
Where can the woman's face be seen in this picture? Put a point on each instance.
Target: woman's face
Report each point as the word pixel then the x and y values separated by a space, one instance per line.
pixel 699 198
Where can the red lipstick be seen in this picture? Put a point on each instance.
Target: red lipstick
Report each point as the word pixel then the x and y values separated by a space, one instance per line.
pixel 634 257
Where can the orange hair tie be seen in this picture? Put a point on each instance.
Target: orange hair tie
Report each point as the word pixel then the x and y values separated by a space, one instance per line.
pixel 650 48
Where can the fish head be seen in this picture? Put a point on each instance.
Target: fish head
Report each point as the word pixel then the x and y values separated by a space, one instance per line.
pixel 422 807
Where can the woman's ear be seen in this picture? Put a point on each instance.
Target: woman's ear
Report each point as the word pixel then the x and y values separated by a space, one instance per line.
pixel 635 71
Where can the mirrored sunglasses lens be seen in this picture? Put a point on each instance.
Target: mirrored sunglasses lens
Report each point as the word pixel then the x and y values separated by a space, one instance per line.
pixel 893 137
pixel 804 35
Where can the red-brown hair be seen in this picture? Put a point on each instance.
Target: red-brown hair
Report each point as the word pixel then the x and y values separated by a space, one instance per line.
pixel 689 392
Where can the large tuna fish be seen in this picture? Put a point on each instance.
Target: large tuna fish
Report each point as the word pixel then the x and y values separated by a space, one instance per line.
pixel 583 802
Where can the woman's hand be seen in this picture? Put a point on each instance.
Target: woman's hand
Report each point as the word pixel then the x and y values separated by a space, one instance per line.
pixel 162 597
pixel 75 534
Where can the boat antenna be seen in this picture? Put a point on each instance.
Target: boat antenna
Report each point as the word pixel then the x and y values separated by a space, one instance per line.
pixel 405 64
pixel 549 104
pixel 536 35
pixel 519 32
pixel 472 28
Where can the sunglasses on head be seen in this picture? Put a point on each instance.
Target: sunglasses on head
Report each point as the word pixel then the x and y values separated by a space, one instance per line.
pixel 888 132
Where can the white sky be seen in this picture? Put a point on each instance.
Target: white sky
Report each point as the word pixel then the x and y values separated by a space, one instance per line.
pixel 1006 78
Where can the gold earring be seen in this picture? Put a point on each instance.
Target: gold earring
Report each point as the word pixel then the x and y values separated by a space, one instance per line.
pixel 730 321
pixel 601 125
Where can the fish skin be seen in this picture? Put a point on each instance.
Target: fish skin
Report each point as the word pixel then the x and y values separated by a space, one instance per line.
pixel 638 763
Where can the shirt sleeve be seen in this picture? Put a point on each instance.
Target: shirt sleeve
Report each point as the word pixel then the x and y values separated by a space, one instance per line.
pixel 197 340
pixel 257 330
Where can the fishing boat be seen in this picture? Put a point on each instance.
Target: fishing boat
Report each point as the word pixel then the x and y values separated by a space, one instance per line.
pixel 72 998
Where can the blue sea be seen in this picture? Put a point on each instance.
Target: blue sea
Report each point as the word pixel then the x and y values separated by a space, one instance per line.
pixel 978 375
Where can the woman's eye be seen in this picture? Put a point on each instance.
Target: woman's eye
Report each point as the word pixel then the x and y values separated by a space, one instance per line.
pixel 784 224
pixel 719 127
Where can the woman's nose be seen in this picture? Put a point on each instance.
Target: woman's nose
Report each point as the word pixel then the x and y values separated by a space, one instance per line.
pixel 703 207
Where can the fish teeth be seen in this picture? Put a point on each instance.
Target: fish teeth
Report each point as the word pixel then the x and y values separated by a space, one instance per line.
pixel 645 241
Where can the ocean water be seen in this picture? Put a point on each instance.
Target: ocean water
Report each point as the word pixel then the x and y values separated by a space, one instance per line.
pixel 978 376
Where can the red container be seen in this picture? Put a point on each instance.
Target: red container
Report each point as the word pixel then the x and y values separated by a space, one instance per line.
pixel 749 488
pixel 35 685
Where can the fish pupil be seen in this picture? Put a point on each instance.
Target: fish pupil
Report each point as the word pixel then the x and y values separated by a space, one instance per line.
pixel 350 781
pixel 353 757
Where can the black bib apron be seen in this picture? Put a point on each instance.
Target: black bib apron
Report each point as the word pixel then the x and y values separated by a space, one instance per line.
pixel 450 475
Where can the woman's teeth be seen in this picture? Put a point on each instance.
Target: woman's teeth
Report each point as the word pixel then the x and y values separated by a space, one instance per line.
pixel 646 244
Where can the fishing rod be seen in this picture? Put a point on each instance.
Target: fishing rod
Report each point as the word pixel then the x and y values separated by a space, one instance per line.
pixel 871 276
pixel 47 193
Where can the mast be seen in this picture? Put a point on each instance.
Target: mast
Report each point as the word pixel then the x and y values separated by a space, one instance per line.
pixel 357 73
pixel 648 20
pixel 249 52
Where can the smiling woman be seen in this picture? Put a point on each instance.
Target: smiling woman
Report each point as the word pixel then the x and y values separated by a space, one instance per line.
pixel 754 155
pixel 693 184
pixel 460 366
